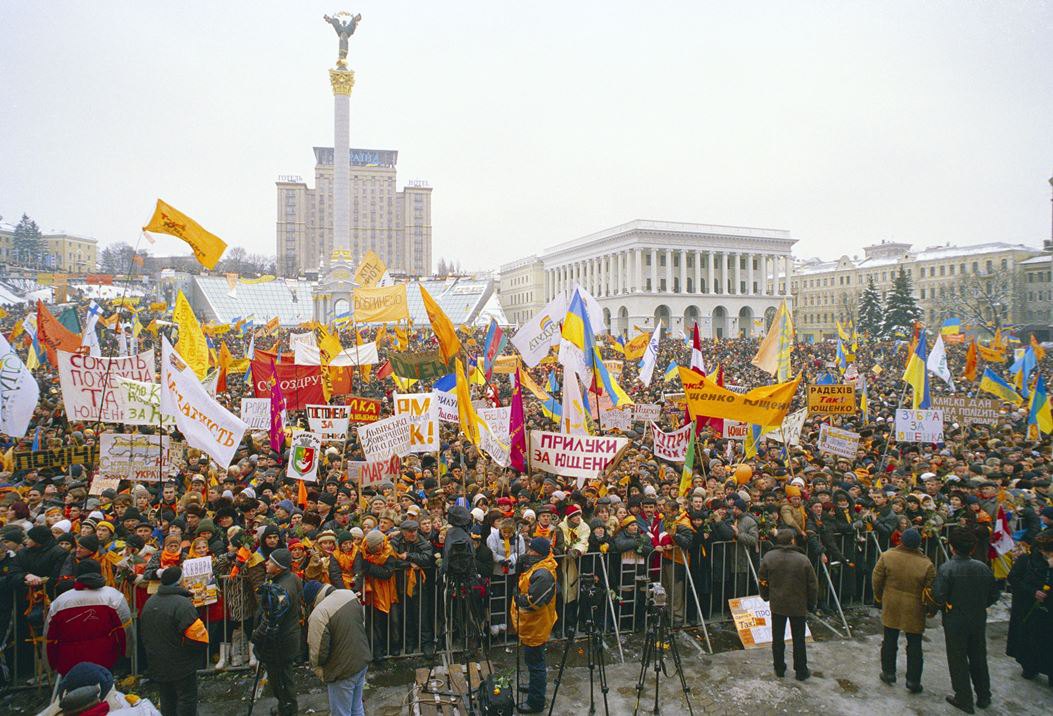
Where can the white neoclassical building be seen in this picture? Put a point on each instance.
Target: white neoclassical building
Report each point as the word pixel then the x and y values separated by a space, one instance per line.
pixel 727 279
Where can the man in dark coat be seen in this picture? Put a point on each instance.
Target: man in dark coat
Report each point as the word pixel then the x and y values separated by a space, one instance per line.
pixel 277 645
pixel 965 587
pixel 415 589
pixel 40 562
pixel 789 584
pixel 174 639
pixel 1030 621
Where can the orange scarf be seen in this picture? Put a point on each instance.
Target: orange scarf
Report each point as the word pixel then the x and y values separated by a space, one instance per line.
pixel 347 565
pixel 380 593
pixel 170 560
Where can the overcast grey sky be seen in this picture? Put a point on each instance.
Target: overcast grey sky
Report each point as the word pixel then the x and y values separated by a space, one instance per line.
pixel 845 122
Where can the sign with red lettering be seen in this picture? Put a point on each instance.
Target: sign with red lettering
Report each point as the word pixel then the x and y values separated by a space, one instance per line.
pixel 373 473
pixel 301 384
pixel 579 456
pixel 89 383
pixel 832 399
pixel 329 420
pixel 671 446
pixel 384 438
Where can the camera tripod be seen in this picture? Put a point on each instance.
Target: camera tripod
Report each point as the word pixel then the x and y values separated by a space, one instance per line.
pixel 594 655
pixel 457 603
pixel 659 636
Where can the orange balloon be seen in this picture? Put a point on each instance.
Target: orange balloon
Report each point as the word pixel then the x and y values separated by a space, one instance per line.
pixel 743 473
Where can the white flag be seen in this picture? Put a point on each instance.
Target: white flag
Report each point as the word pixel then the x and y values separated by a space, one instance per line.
pixel 573 407
pixel 650 356
pixel 937 362
pixel 19 392
pixel 541 332
pixel 205 424
pixel 89 337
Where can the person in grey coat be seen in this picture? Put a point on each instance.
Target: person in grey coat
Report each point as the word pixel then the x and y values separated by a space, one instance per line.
pixel 338 645
pixel 788 583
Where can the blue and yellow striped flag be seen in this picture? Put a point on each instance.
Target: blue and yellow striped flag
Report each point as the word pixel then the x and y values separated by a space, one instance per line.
pixel 917 375
pixel 1040 415
pixel 992 383
pixel 670 372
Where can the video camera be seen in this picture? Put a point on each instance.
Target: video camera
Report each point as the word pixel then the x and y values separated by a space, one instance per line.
pixel 656 596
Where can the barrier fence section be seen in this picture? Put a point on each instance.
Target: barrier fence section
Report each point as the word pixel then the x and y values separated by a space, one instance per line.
pixel 608 590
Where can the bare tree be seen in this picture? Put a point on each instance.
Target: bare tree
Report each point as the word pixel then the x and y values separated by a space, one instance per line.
pixel 990 300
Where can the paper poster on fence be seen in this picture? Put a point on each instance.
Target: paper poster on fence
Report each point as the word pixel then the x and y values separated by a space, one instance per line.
pixel 579 456
pixel 919 426
pixel 494 436
pixel 304 454
pixel 140 402
pixel 200 581
pixel 671 447
pixel 752 617
pixel 836 441
pixel 329 420
pixel 423 414
pixel 256 412
pixel 139 458
pixel 384 438
pixel 791 428
pixel 372 473
pixel 88 383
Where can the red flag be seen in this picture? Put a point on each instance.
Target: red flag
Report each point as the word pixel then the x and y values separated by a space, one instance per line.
pixel 517 429
pixel 697 363
pixel 385 370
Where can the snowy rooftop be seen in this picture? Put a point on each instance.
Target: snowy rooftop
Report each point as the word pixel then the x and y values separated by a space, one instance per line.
pixel 934 253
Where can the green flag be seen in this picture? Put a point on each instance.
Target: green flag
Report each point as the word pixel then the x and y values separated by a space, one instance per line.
pixel 689 464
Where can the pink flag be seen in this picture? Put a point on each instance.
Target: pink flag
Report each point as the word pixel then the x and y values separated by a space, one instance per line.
pixel 517 429
pixel 277 411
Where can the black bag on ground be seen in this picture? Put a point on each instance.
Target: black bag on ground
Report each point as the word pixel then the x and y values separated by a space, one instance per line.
pixel 490 703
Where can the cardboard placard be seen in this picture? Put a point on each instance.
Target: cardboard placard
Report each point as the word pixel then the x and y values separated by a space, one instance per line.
pixel 832 399
pixel 919 426
pixel 836 441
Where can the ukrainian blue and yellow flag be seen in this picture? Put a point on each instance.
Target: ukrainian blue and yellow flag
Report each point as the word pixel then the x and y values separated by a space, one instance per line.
pixel 917 375
pixel 1041 414
pixel 577 330
pixel 1021 370
pixel 951 327
pixel 990 382
pixel 842 361
pixel 552 408
pixel 671 372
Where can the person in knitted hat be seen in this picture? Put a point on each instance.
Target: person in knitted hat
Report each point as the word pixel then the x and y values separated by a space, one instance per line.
pixel 278 644
pixel 903 578
pixel 533 615
pixel 175 639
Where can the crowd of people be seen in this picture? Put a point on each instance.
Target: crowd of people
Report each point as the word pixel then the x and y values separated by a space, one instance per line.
pixel 368 572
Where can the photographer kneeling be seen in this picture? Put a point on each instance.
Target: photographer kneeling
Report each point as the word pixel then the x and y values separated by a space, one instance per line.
pixel 533 614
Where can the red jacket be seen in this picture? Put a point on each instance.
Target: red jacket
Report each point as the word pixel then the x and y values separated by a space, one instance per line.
pixel 86 623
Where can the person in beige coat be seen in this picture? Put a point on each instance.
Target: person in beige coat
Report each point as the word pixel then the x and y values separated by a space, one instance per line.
pixel 903 579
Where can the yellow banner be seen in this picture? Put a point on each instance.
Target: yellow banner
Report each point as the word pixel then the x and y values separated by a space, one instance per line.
pixel 506 364
pixel 380 305
pixel 991 355
pixel 761 406
pixel 370 271
pixel 635 349
pixel 158 306
pixel 168 220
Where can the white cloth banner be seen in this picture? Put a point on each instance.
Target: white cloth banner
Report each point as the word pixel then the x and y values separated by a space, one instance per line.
pixel 937 362
pixel 650 356
pixel 671 447
pixel 206 424
pixel 494 434
pixel 792 425
pixel 422 409
pixel 19 392
pixel 446 402
pixel 646 412
pixel 304 455
pixel 256 412
pixel 88 383
pixel 140 402
pixel 615 419
pixel 301 339
pixel 365 354
pixel 384 438
pixel 541 332
pixel 329 420
pixel 579 456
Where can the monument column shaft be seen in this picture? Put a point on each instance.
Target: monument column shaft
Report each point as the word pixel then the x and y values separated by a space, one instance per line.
pixel 341 172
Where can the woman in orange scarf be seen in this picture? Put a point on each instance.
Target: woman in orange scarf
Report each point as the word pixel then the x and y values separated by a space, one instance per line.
pixel 377 563
pixel 345 556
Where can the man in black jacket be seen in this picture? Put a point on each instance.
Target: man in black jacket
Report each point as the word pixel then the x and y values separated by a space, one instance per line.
pixel 278 644
pixel 964 588
pixel 416 609
pixel 174 639
pixel 40 561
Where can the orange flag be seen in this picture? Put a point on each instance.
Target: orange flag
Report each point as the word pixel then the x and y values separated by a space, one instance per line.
pixel 1040 352
pixel 449 343
pixel 971 361
pixel 53 335
pixel 225 359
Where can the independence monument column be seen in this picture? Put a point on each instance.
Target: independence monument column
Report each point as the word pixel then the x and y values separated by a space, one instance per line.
pixel 333 293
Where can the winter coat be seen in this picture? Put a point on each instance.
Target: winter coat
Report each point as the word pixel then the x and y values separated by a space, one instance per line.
pixel 87 623
pixel 576 538
pixel 534 610
pixel 746 542
pixel 43 561
pixel 286 646
pixel 788 581
pixel 964 589
pixel 1030 629
pixel 168 614
pixel 337 640
pixel 903 580
pixel 496 544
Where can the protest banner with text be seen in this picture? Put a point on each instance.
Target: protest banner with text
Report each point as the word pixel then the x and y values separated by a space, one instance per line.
pixel 919 426
pixel 423 413
pixel 329 420
pixel 141 403
pixel 671 447
pixel 384 438
pixel 578 456
pixel 832 399
pixel 372 473
pixel 139 458
pixel 256 412
pixel 88 383
pixel 836 441
pixel 968 411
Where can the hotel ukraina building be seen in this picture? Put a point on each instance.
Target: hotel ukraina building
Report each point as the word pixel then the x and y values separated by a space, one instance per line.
pixel 729 280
